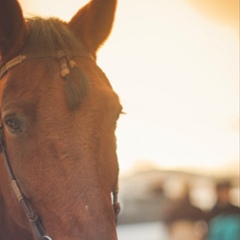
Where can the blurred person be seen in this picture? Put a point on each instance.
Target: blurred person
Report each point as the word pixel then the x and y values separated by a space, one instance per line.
pixel 183 220
pixel 224 218
pixel 223 204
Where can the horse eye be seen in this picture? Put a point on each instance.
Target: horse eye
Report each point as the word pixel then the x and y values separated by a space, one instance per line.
pixel 13 124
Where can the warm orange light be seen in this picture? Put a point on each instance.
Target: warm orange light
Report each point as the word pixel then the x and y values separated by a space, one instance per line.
pixel 177 76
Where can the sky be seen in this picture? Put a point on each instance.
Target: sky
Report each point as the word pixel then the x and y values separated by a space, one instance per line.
pixel 175 66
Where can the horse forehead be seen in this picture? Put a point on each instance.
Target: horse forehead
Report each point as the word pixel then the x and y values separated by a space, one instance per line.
pixel 26 74
pixel 38 78
pixel 22 82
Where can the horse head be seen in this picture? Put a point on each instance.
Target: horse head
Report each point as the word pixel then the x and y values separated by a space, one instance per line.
pixel 58 118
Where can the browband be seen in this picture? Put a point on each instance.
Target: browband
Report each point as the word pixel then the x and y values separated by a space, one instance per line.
pixel 21 58
pixel 13 62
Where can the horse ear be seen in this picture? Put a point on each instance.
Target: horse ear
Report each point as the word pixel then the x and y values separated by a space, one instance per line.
pixel 13 29
pixel 93 23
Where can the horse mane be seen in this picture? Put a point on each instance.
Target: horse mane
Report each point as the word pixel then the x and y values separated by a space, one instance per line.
pixel 50 35
pixel 46 38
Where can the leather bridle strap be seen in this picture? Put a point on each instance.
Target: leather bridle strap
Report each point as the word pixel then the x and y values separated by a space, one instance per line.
pixel 116 204
pixel 65 64
pixel 21 58
pixel 13 62
pixel 33 218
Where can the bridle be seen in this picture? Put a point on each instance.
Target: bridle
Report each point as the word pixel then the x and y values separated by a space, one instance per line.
pixel 34 220
pixel 66 64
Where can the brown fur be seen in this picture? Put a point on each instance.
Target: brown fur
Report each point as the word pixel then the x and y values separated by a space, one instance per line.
pixel 64 155
pixel 49 36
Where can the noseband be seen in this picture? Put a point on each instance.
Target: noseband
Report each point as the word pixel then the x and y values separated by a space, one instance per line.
pixel 66 64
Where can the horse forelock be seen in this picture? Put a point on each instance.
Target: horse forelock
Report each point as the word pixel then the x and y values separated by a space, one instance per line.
pixel 46 36
pixel 49 36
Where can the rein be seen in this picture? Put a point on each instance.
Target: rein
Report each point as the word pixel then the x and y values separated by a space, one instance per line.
pixel 66 64
pixel 33 218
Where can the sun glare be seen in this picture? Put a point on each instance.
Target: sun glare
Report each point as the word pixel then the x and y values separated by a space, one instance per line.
pixel 57 8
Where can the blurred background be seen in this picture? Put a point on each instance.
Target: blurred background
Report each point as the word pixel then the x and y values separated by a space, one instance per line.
pixel 175 66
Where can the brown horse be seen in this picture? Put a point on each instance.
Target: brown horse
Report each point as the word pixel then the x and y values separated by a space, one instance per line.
pixel 58 113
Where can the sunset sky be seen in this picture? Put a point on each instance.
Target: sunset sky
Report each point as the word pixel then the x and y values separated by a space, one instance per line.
pixel 175 66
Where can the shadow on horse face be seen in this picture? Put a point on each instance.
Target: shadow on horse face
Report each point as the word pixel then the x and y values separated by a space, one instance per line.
pixel 58 117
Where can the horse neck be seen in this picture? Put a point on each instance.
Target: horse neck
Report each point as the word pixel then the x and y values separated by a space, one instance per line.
pixel 8 227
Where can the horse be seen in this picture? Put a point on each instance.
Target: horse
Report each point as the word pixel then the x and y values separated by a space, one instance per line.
pixel 58 112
